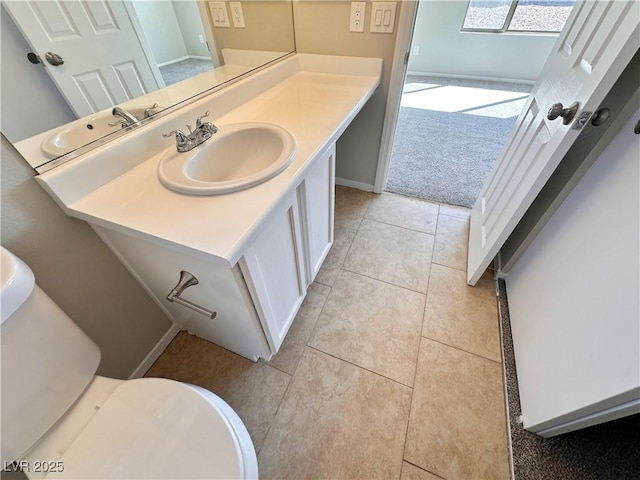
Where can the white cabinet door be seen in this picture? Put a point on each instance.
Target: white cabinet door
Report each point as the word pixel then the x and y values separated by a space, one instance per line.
pixel 274 271
pixel 316 195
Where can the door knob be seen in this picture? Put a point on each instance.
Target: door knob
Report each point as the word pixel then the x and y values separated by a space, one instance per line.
pixel 567 114
pixel 53 58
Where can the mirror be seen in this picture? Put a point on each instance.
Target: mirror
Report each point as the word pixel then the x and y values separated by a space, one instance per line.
pixel 139 55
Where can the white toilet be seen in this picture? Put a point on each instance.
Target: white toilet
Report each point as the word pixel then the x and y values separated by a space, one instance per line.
pixel 60 420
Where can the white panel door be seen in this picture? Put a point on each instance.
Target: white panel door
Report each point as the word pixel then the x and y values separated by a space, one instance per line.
pixel 104 63
pixel 317 200
pixel 274 271
pixel 598 40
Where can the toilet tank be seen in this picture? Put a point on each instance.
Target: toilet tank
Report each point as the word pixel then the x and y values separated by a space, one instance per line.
pixel 46 360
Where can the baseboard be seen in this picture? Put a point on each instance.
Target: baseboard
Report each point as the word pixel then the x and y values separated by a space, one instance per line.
pixel 199 57
pixel 155 352
pixel 353 184
pixel 175 60
pixel 472 77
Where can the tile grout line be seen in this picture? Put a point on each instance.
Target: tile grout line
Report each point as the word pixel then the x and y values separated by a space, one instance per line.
pixel 385 281
pixel 399 226
pixel 292 376
pixel 359 366
pixel 462 350
pixel 415 374
pixel 425 470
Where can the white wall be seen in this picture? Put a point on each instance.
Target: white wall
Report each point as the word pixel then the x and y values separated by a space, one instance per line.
pixel 322 27
pixel 445 50
pixel 31 103
pixel 188 17
pixel 574 296
pixel 162 30
pixel 77 270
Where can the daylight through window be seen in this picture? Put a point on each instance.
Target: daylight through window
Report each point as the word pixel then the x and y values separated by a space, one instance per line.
pixel 517 15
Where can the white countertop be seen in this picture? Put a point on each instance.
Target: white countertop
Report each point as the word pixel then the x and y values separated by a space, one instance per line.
pixel 315 107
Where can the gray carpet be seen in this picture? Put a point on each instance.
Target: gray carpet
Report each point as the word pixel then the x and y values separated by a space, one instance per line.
pixel 609 451
pixel 176 72
pixel 447 157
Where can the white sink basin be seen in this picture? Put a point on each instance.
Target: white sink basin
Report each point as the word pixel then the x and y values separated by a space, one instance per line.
pixel 239 156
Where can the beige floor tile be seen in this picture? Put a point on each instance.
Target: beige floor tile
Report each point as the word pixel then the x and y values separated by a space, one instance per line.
pixel 337 421
pixel 171 358
pixel 290 352
pixel 405 212
pixel 452 238
pixel 254 390
pixel 457 427
pixel 351 205
pixel 391 254
pixel 455 211
pixel 411 472
pixel 462 316
pixel 342 239
pixel 372 324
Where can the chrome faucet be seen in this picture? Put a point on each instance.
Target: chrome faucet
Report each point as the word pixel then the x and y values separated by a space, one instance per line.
pixel 203 132
pixel 128 119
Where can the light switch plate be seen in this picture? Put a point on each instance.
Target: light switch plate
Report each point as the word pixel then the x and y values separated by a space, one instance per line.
pixel 236 14
pixel 383 15
pixel 358 10
pixel 219 14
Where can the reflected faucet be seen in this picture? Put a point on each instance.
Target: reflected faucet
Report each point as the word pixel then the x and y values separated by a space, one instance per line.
pixel 128 119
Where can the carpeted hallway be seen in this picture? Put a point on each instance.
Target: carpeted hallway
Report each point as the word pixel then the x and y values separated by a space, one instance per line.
pixel 449 134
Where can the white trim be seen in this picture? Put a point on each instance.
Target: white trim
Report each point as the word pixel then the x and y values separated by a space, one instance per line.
pixel 344 182
pixel 406 22
pixel 473 77
pixel 200 57
pixel 175 60
pixel 155 352
pixel 631 407
pixel 146 48
pixel 188 57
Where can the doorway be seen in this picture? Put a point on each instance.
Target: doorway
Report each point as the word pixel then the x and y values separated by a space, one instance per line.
pixel 471 65
pixel 449 134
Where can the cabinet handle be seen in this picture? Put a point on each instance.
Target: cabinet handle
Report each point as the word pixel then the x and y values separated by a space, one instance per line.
pixel 186 281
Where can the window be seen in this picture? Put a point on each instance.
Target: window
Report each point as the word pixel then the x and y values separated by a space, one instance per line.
pixel 516 15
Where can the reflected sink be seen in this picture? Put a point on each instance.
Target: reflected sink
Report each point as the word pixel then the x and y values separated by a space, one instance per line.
pixel 81 132
pixel 239 156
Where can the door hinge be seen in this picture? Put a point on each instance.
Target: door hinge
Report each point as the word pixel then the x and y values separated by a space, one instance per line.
pixel 406 58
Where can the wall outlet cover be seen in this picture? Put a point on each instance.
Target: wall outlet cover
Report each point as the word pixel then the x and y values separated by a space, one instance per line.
pixel 356 22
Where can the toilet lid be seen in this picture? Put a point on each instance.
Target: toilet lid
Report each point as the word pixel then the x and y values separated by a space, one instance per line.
pixel 155 428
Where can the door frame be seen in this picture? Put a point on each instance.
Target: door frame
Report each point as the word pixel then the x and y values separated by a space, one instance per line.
pixel 142 39
pixel 406 23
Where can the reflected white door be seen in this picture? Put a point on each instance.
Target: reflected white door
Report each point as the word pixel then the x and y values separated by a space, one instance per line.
pixel 596 44
pixel 104 62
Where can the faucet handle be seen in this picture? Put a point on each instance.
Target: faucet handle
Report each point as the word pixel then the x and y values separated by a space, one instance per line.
pixel 180 137
pixel 199 119
pixel 149 110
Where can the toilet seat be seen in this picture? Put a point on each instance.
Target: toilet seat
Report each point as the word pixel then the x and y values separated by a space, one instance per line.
pixel 157 428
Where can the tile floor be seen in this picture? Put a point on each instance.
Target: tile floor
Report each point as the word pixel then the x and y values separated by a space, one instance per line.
pixel 392 368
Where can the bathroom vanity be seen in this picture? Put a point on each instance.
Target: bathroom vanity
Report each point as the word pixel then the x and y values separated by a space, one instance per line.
pixel 253 251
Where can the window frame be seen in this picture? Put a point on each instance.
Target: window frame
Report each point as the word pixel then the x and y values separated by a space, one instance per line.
pixel 505 26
